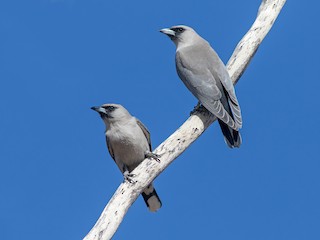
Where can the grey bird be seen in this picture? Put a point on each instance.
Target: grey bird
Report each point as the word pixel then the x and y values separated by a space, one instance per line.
pixel 204 74
pixel 129 143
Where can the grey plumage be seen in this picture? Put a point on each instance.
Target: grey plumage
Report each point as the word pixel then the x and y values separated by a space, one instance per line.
pixel 129 143
pixel 204 74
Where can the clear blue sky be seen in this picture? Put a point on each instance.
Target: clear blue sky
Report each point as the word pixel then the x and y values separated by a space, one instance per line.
pixel 60 57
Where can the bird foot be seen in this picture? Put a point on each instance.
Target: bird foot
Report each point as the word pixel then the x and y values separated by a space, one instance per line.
pixel 128 177
pixel 152 155
pixel 198 108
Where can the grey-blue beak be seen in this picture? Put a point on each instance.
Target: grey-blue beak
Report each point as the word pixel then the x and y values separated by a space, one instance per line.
pixel 99 109
pixel 168 32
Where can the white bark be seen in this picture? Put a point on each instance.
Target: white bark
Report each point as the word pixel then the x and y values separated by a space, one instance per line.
pixel 181 139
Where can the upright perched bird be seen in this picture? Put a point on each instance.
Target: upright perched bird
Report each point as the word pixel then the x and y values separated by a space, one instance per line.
pixel 204 74
pixel 128 142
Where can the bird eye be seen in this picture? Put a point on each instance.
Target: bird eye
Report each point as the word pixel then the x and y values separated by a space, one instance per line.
pixel 180 29
pixel 110 108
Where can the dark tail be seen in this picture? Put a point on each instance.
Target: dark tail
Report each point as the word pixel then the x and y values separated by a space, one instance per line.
pixel 231 136
pixel 151 198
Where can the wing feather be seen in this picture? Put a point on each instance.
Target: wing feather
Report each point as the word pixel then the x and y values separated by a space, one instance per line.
pixel 226 82
pixel 203 85
pixel 145 132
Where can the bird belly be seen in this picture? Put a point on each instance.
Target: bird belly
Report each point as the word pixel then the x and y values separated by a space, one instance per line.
pixel 129 149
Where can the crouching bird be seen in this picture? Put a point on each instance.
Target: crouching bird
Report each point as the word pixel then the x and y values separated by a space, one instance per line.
pixel 129 143
pixel 204 74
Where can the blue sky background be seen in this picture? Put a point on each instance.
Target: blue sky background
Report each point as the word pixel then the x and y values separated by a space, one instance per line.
pixel 60 57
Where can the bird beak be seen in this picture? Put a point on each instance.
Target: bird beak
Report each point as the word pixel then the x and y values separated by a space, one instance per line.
pixel 168 32
pixel 99 110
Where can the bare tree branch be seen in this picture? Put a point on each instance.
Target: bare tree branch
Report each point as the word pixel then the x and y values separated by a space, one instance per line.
pixel 181 139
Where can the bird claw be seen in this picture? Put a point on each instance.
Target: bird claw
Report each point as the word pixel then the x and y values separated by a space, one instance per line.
pixel 152 155
pixel 198 108
pixel 128 177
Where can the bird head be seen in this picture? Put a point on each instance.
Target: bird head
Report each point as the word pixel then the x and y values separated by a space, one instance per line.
pixel 180 34
pixel 111 112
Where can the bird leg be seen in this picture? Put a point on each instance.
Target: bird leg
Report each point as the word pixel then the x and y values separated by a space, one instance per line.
pixel 152 155
pixel 198 108
pixel 128 176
